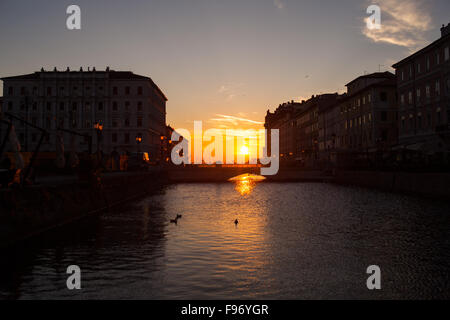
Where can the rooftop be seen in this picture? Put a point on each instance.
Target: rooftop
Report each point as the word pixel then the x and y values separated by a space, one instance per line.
pixel 111 74
pixel 445 35
pixel 376 75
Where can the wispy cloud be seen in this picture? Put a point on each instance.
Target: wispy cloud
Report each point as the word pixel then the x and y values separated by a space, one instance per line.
pixel 231 91
pixel 228 121
pixel 279 4
pixel 403 23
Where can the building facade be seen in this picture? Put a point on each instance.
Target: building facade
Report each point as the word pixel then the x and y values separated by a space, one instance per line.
pixel 423 85
pixel 368 114
pixel 283 120
pixel 311 128
pixel 119 109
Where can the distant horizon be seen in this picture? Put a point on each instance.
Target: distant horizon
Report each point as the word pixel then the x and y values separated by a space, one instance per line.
pixel 225 63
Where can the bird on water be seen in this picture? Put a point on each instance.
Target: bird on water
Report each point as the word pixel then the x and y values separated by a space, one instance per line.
pixel 236 222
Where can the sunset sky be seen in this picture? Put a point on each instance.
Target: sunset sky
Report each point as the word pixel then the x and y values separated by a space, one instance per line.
pixel 223 62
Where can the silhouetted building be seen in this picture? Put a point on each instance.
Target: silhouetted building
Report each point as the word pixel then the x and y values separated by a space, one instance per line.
pixel 283 119
pixel 310 133
pixel 423 85
pixel 368 114
pixel 130 108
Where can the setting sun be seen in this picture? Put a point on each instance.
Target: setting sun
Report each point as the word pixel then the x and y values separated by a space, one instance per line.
pixel 244 150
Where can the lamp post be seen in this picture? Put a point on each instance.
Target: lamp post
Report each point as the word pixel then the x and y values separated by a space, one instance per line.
pixel 98 126
pixel 138 142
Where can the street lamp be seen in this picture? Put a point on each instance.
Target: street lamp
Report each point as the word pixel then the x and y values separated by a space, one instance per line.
pixel 98 126
pixel 138 142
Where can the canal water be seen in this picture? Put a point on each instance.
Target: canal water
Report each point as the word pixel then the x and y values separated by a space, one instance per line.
pixel 292 241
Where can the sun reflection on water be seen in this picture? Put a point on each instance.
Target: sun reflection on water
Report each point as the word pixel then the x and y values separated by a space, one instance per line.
pixel 245 183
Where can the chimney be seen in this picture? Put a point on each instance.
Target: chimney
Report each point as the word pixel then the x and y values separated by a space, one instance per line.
pixel 445 30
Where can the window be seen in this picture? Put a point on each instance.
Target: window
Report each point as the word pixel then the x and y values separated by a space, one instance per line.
pixel 49 91
pixel 35 90
pixel 74 106
pixel 383 115
pixel 403 75
pixel 419 121
pixel 127 105
pixel 127 90
pixel 418 93
pixel 427 91
pixel 22 91
pixel 437 88
pixel 33 137
pixel 10 91
pixel 114 137
pixel 446 54
pixel 428 64
pixel 418 68
pixel 364 100
pixel 115 91
pixel 402 99
pixel 35 105
pixel 127 122
pixel 383 96
pixel 114 106
pixel 410 71
pixel 100 106
pixel 140 91
pixel 61 106
pixel 61 89
pixel 437 58
pixel 369 98
pixel 438 116
pixel 10 106
pixel 139 108
pixel 139 122
pixel 410 97
pixel 114 124
pixel 49 106
pixel 33 121
pixel 127 137
pixel 370 117
pixel 448 85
